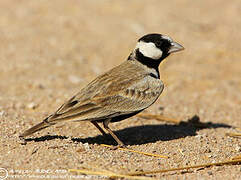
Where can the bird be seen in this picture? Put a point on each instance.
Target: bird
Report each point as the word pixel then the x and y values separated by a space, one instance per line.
pixel 119 93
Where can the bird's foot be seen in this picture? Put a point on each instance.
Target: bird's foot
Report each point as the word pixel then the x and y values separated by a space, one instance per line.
pixel 118 146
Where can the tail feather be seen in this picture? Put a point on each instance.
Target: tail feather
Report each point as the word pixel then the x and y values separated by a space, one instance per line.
pixel 44 124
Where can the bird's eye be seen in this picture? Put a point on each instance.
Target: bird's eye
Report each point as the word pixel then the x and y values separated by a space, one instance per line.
pixel 158 43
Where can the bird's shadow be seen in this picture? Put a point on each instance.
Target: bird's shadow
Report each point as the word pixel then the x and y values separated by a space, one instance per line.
pixel 138 135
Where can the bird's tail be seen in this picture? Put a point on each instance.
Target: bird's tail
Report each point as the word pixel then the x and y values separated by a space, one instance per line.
pixel 44 124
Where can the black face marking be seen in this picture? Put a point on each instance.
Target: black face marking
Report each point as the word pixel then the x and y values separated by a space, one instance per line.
pixel 162 43
pixel 147 61
pixel 151 38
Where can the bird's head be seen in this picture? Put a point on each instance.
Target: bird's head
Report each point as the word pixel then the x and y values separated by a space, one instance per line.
pixel 155 47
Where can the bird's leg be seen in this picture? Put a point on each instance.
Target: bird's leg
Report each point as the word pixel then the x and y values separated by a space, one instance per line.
pixel 98 127
pixel 120 143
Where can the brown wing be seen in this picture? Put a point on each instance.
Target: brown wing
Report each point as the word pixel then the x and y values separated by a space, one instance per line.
pixel 112 94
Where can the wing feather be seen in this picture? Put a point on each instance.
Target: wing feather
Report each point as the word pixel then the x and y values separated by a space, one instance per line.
pixel 111 94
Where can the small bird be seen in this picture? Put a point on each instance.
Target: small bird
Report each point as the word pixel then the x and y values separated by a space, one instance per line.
pixel 119 93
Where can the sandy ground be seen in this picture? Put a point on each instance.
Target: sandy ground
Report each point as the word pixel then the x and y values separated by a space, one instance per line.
pixel 50 49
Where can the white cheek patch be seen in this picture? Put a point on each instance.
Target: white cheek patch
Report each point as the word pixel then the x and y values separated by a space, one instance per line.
pixel 149 50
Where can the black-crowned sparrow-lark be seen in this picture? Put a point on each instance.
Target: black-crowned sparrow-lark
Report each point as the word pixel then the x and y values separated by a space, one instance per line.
pixel 121 92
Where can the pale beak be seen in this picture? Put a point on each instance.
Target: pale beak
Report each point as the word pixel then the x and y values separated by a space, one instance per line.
pixel 175 47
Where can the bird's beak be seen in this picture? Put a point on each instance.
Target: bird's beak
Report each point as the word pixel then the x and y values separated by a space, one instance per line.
pixel 175 47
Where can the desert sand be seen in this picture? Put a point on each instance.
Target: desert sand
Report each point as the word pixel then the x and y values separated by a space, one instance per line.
pixel 49 50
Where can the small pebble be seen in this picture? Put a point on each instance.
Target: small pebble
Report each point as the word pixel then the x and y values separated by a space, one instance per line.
pixel 238 148
pixel 209 156
pixel 199 137
pixel 32 105
pixel 40 86
pixel 86 146
pixel 210 173
pixel 186 162
pixel 208 150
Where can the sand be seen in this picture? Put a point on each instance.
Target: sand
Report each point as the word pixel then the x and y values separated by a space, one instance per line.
pixel 49 50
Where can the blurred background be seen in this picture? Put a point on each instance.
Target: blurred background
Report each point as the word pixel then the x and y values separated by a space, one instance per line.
pixel 50 49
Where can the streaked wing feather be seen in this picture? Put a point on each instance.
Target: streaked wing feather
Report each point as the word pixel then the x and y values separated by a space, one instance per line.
pixel 110 95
